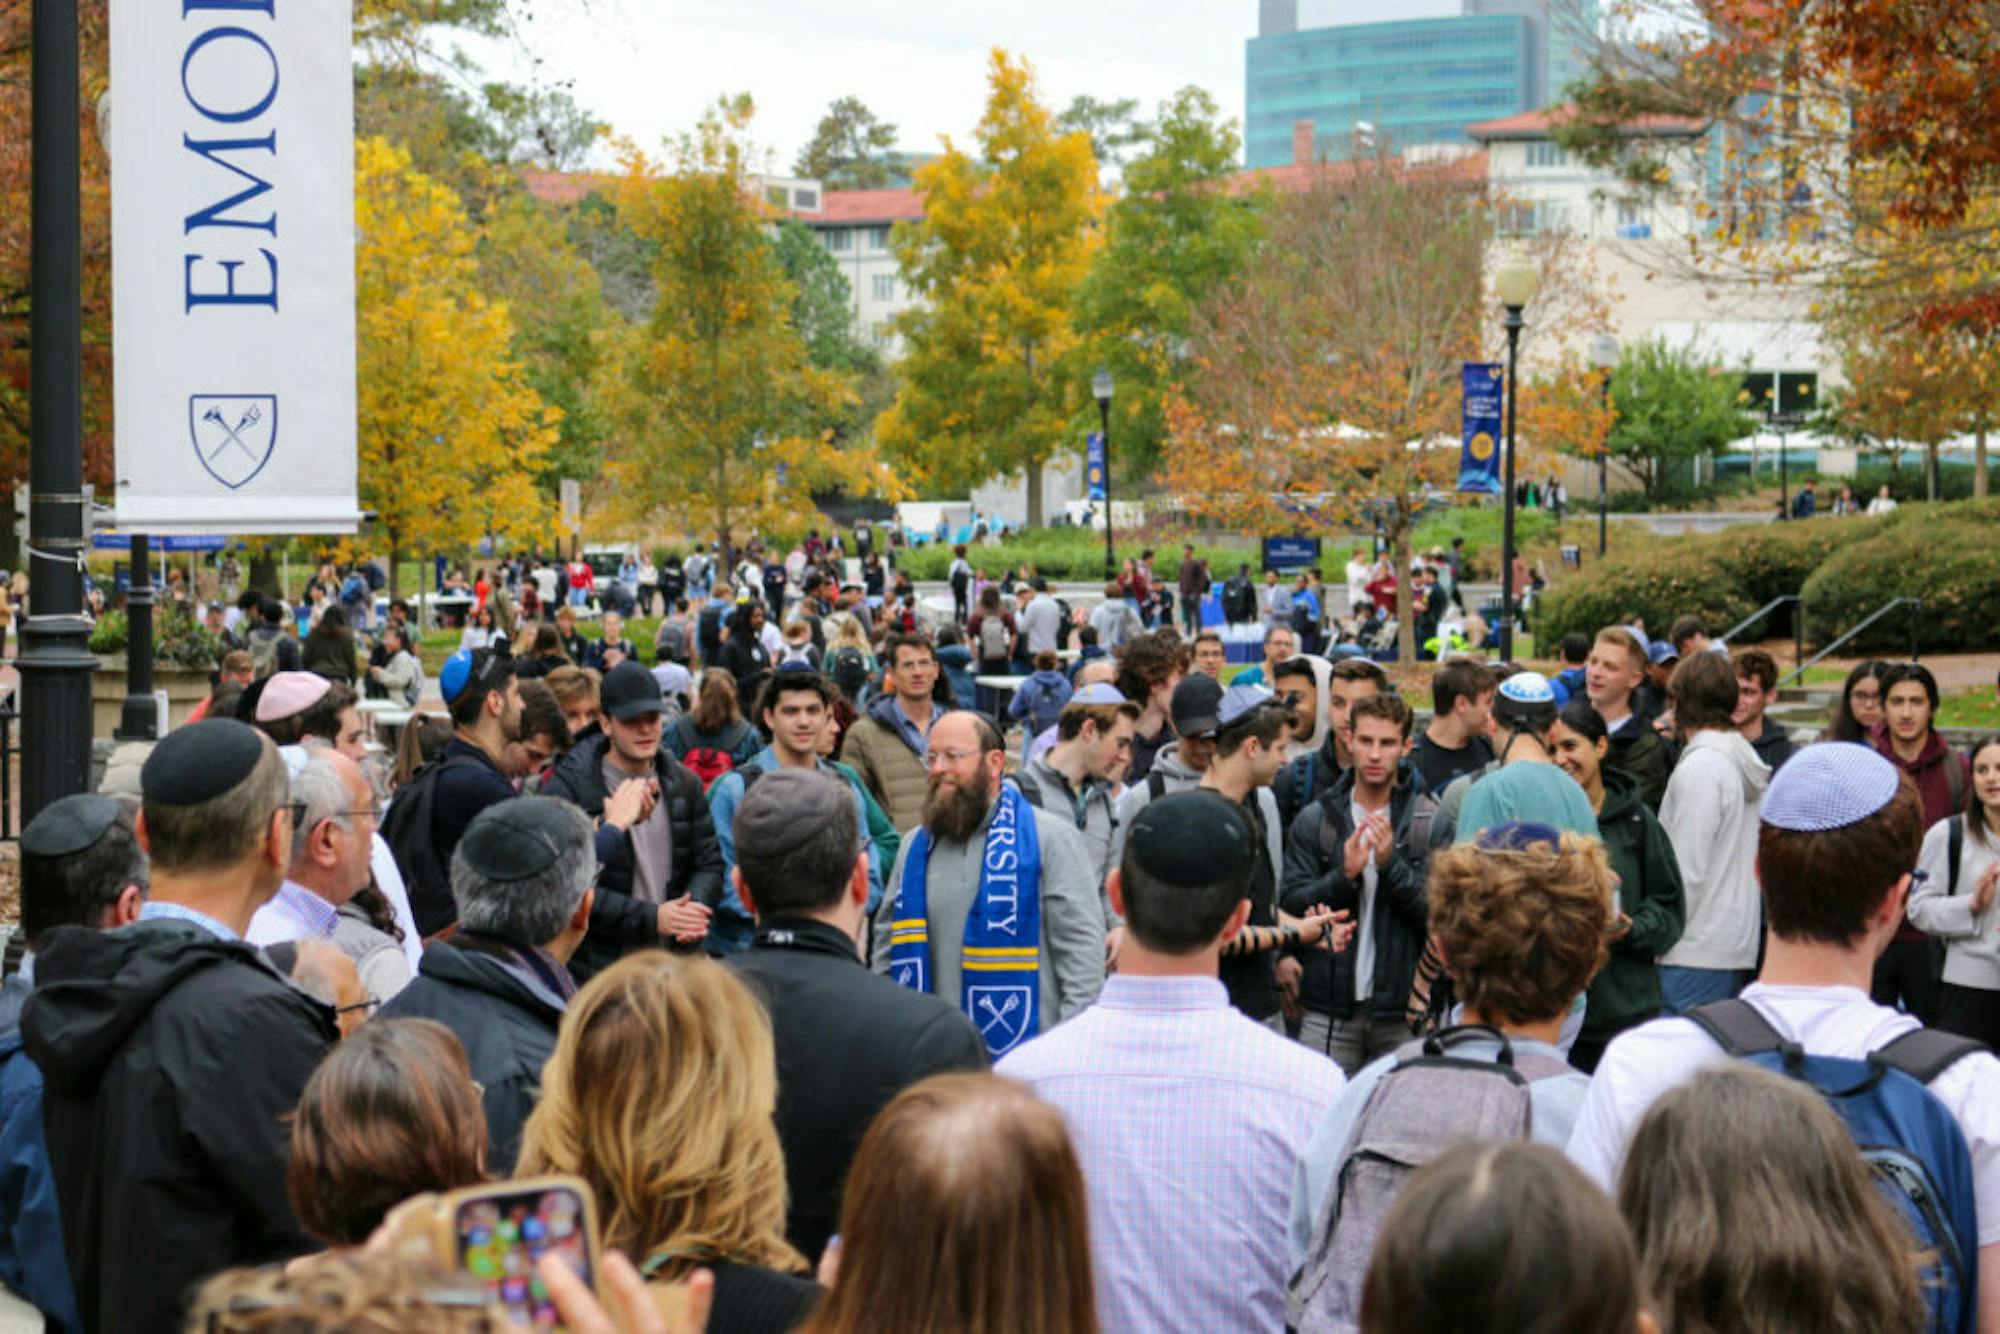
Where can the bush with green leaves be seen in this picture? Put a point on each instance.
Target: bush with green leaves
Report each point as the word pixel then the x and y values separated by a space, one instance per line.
pixel 179 639
pixel 1946 555
pixel 1656 583
pixel 1773 559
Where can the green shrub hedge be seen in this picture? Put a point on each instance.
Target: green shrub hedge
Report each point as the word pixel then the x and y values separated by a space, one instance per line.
pixel 1953 565
pixel 1655 590
pixel 1948 555
pixel 1077 555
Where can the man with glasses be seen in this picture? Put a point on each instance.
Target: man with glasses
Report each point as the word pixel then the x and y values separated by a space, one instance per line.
pixel 1279 644
pixel 333 811
pixel 993 903
pixel 888 745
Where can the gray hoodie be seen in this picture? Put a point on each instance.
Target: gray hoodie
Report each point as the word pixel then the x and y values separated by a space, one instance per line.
pixel 1174 776
pixel 1710 813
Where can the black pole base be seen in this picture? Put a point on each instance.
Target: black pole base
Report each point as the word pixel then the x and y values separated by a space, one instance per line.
pixel 140 720
pixel 56 665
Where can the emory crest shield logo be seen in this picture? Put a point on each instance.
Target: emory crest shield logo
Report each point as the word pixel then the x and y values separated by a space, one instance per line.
pixel 233 434
pixel 1001 1014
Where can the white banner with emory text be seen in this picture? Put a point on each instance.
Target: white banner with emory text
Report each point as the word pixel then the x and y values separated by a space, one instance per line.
pixel 232 265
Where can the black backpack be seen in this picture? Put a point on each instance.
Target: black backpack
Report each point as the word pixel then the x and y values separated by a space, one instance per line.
pixel 850 671
pixel 409 826
pixel 1239 600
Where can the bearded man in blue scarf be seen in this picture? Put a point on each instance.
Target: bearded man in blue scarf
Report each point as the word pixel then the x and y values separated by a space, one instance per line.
pixel 992 904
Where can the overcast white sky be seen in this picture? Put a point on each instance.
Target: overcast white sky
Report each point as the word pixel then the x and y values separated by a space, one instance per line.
pixel 650 67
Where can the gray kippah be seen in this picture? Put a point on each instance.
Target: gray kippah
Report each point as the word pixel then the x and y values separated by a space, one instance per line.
pixel 1830 785
pixel 200 762
pixel 1191 839
pixel 786 807
pixel 515 839
pixel 69 824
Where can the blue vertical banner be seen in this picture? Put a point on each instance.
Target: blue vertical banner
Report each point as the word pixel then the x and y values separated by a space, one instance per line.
pixel 1479 459
pixel 1093 466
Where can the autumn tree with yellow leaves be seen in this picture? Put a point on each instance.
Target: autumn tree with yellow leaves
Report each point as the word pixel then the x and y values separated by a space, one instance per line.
pixel 718 419
pixel 990 370
pixel 449 433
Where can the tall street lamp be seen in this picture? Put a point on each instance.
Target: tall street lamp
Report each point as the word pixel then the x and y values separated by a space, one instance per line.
pixel 55 660
pixel 1516 281
pixel 1604 356
pixel 1100 388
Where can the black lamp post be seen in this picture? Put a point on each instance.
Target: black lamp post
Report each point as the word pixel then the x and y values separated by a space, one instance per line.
pixel 1604 356
pixel 1516 282
pixel 1100 388
pixel 55 661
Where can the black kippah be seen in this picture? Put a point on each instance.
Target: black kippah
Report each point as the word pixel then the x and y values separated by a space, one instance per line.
pixel 69 825
pixel 200 762
pixel 1191 839
pixel 514 839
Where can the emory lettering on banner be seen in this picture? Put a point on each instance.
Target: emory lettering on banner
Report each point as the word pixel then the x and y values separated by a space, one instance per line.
pixel 232 247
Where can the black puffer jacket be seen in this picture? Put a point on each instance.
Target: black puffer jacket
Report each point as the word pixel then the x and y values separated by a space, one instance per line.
pixel 620 923
pixel 1313 875
pixel 172 1062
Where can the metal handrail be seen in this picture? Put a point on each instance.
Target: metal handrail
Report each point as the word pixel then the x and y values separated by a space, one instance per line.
pixel 1798 623
pixel 1916 606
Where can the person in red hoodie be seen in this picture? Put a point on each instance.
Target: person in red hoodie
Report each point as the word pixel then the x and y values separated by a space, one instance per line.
pixel 1908 971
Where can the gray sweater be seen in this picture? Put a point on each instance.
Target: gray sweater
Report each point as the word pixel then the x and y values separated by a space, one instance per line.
pixel 1072 942
pixel 1972 944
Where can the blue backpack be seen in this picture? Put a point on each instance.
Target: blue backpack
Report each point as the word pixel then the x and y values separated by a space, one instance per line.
pixel 1912 1143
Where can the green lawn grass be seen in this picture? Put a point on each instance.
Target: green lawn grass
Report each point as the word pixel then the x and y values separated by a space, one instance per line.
pixel 437 645
pixel 1970 708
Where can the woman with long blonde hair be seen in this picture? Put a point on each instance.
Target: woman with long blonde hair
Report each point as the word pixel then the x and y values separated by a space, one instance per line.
pixel 660 1095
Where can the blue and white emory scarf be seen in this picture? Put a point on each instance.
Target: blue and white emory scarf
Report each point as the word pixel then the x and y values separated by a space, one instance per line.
pixel 1000 984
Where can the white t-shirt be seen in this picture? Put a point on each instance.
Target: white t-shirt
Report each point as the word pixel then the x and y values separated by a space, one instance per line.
pixel 1364 936
pixel 1642 1064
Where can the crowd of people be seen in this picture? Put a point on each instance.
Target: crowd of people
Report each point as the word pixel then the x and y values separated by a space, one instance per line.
pixel 849 994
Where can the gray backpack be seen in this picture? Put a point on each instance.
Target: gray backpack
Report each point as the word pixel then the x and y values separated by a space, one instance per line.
pixel 1429 1102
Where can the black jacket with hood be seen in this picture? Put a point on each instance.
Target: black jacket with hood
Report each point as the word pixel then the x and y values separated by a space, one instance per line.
pixel 172 1063
pixel 619 922
pixel 1641 752
pixel 1313 876
pixel 504 1018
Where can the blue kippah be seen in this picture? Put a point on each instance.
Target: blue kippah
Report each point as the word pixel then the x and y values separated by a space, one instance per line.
pixel 1830 785
pixel 457 670
pixel 1518 836
pixel 1238 700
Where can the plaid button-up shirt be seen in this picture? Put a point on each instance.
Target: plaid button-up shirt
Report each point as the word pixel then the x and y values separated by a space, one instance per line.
pixel 1188 1119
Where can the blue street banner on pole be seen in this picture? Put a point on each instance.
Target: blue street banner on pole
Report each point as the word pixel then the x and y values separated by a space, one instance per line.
pixel 1093 466
pixel 1479 459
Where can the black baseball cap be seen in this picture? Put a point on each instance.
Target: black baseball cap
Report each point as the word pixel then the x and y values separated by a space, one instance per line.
pixel 1196 705
pixel 630 691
